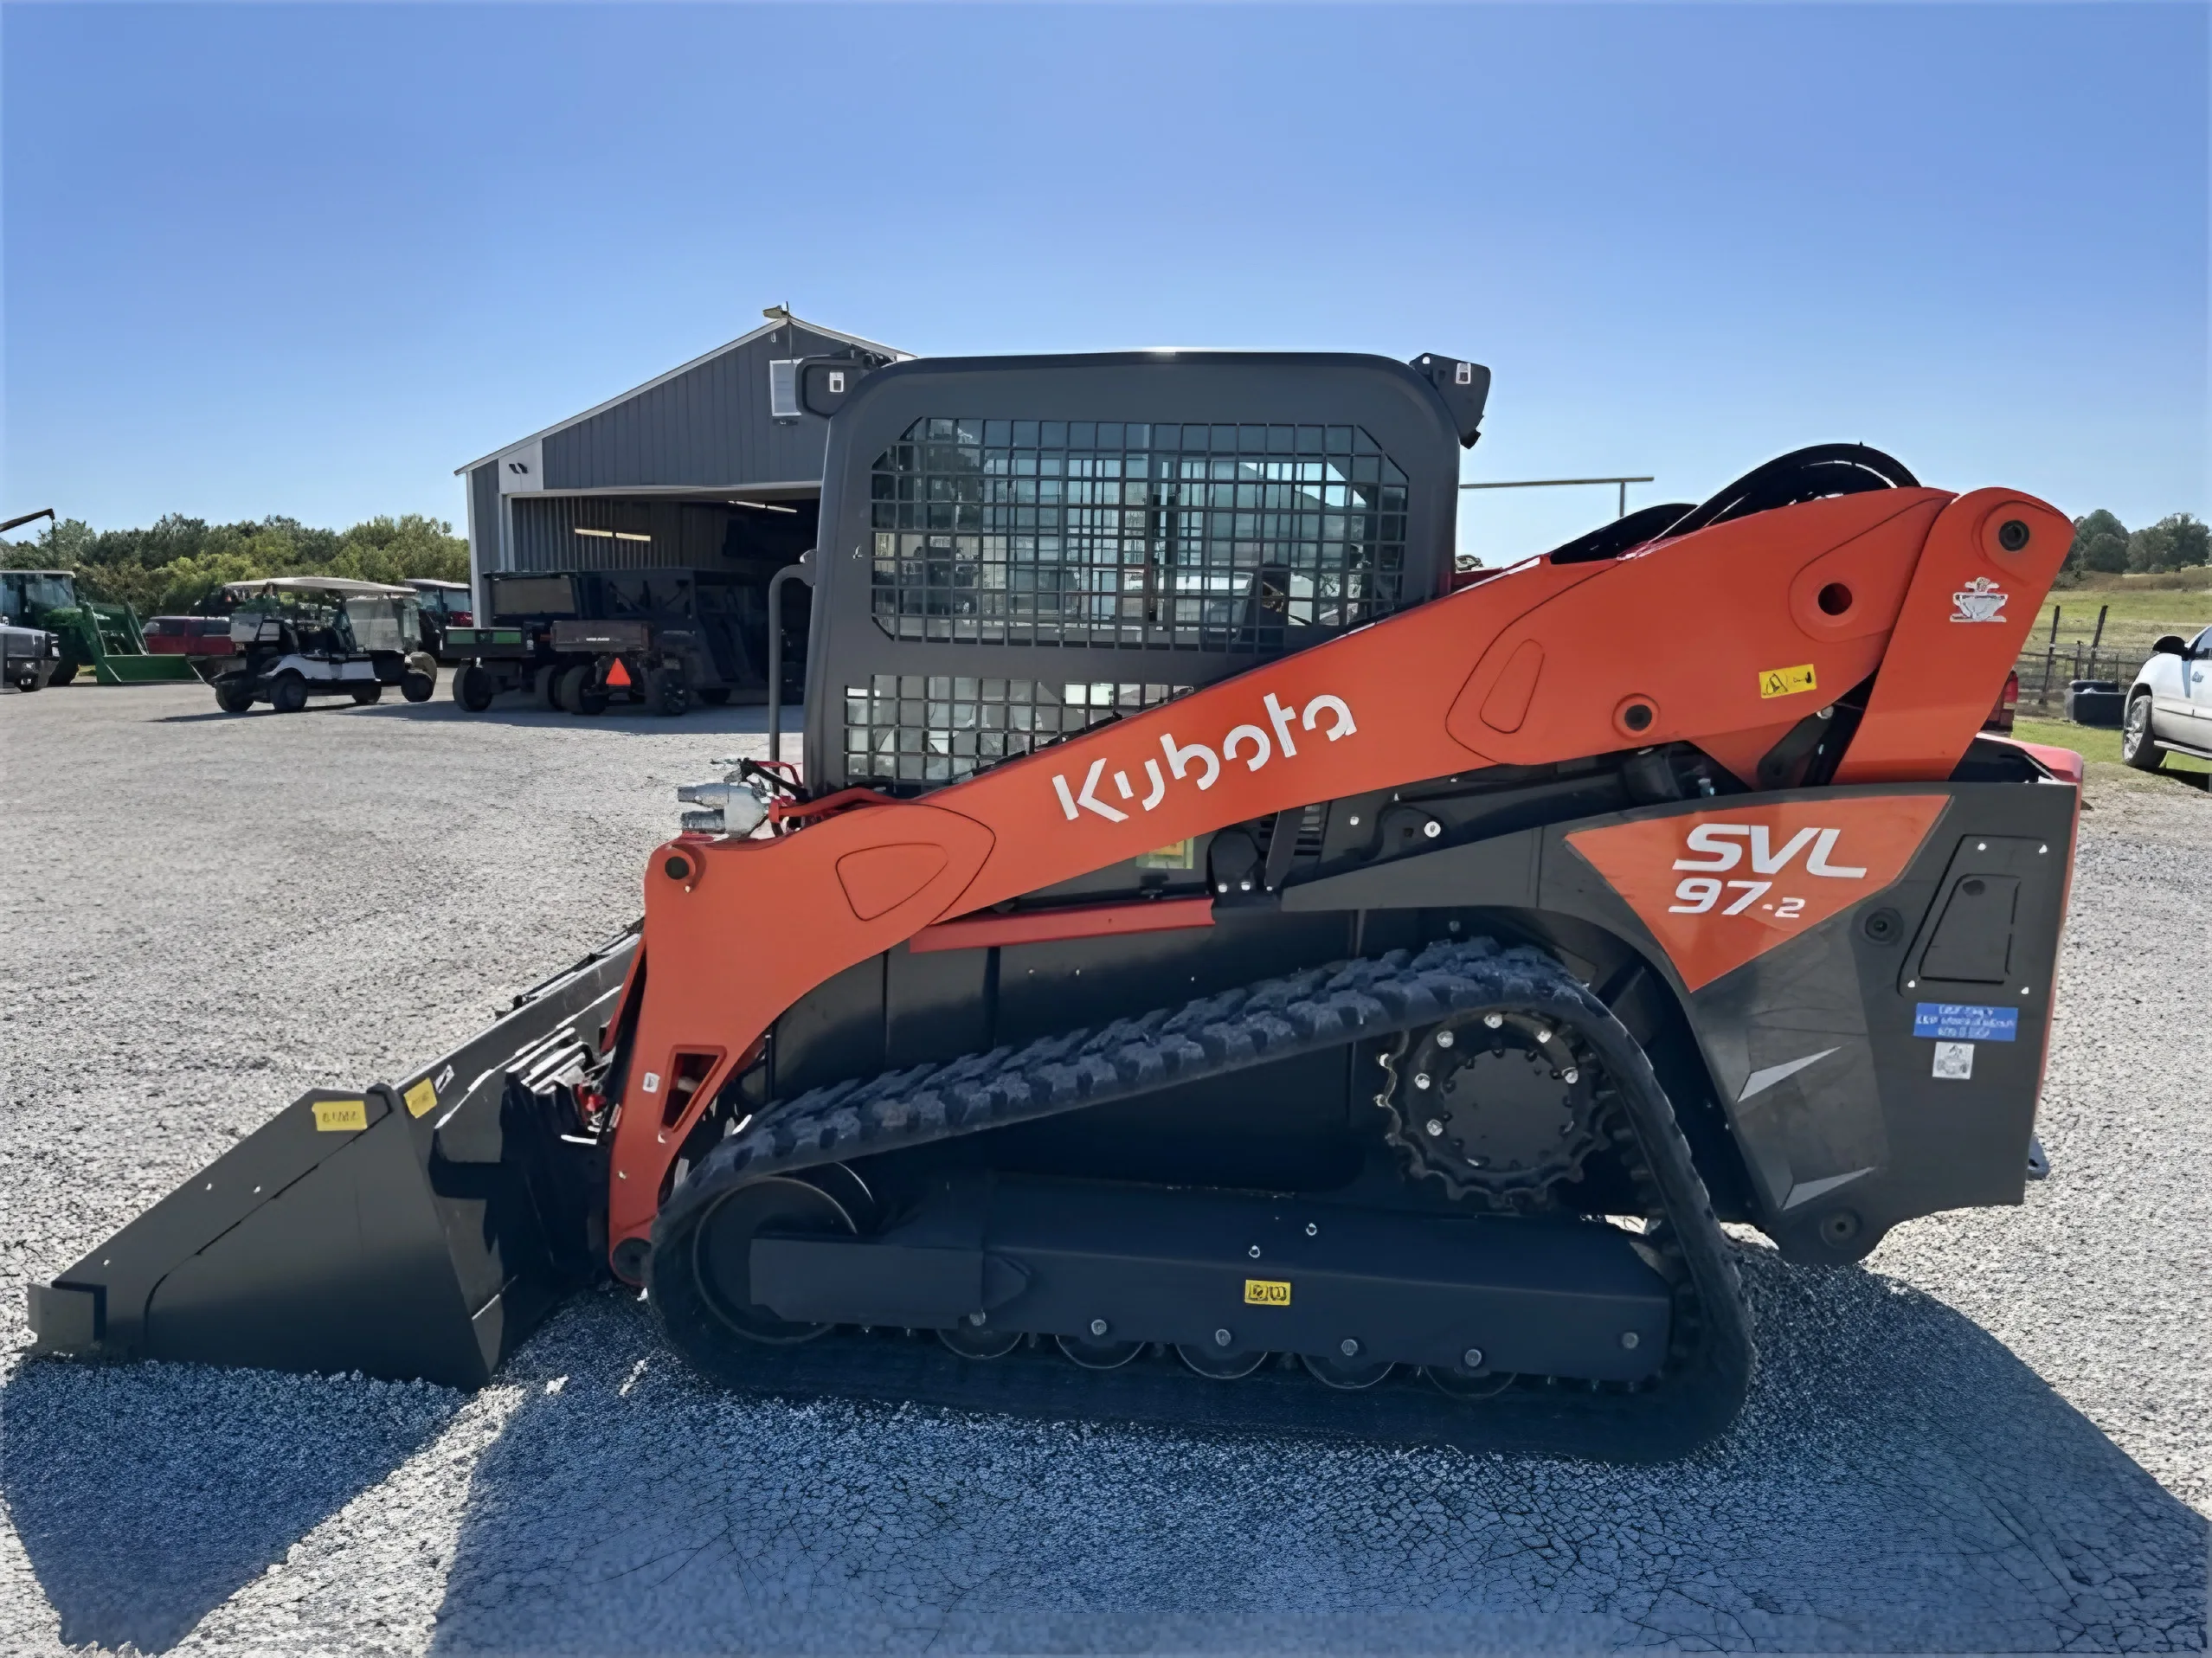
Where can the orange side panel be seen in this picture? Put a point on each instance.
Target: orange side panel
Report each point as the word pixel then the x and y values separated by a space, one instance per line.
pixel 1718 888
pixel 1972 601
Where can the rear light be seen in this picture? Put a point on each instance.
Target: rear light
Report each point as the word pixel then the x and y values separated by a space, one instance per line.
pixel 2008 703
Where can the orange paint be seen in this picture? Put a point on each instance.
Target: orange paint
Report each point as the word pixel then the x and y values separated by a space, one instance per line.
pixel 1941 670
pixel 1719 887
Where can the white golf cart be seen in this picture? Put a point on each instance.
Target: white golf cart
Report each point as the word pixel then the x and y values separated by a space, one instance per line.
pixel 302 636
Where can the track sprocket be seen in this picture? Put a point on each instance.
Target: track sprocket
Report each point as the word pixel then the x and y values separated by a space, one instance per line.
pixel 1492 1105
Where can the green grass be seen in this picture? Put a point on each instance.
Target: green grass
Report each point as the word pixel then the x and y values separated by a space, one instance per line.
pixel 2093 743
pixel 2137 614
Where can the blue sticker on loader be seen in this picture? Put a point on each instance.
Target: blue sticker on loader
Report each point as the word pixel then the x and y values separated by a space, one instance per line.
pixel 1964 1022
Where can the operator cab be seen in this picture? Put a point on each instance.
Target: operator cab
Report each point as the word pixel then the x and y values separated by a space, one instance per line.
pixel 1012 549
pixel 27 595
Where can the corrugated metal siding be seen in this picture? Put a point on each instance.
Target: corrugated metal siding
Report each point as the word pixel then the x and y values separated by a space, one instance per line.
pixel 483 520
pixel 683 535
pixel 705 429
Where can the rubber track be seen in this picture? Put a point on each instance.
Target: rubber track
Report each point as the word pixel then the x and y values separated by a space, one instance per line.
pixel 1303 1013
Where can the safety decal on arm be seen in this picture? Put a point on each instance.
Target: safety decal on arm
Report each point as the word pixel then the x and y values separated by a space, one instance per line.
pixel 1719 887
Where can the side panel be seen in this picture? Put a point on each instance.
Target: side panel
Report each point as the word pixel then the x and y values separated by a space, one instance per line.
pixel 1835 1045
pixel 1847 1117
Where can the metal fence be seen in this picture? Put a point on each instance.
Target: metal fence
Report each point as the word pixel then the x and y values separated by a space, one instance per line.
pixel 2046 670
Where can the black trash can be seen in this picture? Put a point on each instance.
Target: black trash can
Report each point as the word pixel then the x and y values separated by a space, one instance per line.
pixel 2095 701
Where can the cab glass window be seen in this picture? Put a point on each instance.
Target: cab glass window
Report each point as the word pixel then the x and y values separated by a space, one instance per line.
pixel 1214 537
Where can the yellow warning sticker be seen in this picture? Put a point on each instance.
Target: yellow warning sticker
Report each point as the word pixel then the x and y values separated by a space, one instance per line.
pixel 421 1098
pixel 341 1116
pixel 1785 682
pixel 1266 1292
pixel 1176 855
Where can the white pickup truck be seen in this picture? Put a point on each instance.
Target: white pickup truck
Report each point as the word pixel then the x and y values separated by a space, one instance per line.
pixel 2170 705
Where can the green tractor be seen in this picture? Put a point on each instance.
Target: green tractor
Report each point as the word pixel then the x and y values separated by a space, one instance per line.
pixel 103 638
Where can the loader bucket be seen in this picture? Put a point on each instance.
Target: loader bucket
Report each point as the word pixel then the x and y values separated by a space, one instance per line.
pixel 420 1230
pixel 115 649
pixel 115 668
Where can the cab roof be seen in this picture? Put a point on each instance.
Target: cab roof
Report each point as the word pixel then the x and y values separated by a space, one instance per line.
pixel 343 586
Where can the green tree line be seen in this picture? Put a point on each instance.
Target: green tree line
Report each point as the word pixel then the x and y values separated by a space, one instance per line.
pixel 171 568
pixel 2102 543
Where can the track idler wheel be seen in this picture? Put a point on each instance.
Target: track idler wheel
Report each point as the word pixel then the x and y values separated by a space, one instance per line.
pixel 973 1340
pixel 1099 1350
pixel 1462 1382
pixel 1221 1361
pixel 1345 1371
pixel 721 1248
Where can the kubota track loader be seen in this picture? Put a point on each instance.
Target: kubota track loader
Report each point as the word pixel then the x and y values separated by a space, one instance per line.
pixel 1216 973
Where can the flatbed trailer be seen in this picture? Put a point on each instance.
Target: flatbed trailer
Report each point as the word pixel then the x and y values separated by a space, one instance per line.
pixel 580 640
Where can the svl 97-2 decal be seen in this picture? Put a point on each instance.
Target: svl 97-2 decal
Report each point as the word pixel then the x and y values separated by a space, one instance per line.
pixel 1720 886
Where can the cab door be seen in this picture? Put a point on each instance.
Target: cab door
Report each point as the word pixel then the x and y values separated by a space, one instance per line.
pixel 2196 684
pixel 2172 713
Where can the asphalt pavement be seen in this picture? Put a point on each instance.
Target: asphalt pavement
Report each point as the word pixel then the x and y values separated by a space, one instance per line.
pixel 1994 1436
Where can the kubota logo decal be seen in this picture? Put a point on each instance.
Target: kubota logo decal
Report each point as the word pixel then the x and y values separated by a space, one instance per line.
pixel 1717 888
pixel 1254 745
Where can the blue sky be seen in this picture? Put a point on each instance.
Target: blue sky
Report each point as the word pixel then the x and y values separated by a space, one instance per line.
pixel 308 259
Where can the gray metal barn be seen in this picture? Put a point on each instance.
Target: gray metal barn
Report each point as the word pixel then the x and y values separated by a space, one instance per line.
pixel 687 470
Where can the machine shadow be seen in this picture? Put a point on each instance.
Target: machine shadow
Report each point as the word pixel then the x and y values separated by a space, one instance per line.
pixel 512 709
pixel 1900 1481
pixel 704 721
pixel 146 1495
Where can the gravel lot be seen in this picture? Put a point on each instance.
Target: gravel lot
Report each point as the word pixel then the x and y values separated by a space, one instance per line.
pixel 1996 1437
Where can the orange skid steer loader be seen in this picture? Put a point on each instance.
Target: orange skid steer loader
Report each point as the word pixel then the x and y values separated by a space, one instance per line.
pixel 1216 973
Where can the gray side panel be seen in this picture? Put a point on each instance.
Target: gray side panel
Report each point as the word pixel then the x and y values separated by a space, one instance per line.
pixel 484 509
pixel 1830 1093
pixel 708 428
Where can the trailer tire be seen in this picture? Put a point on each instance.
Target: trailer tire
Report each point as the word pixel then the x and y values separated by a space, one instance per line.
pixel 234 698
pixel 418 686
pixel 288 693
pixel 542 686
pixel 591 698
pixel 568 690
pixel 473 688
pixel 368 694
pixel 714 696
pixel 26 683
pixel 63 675
pixel 665 692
